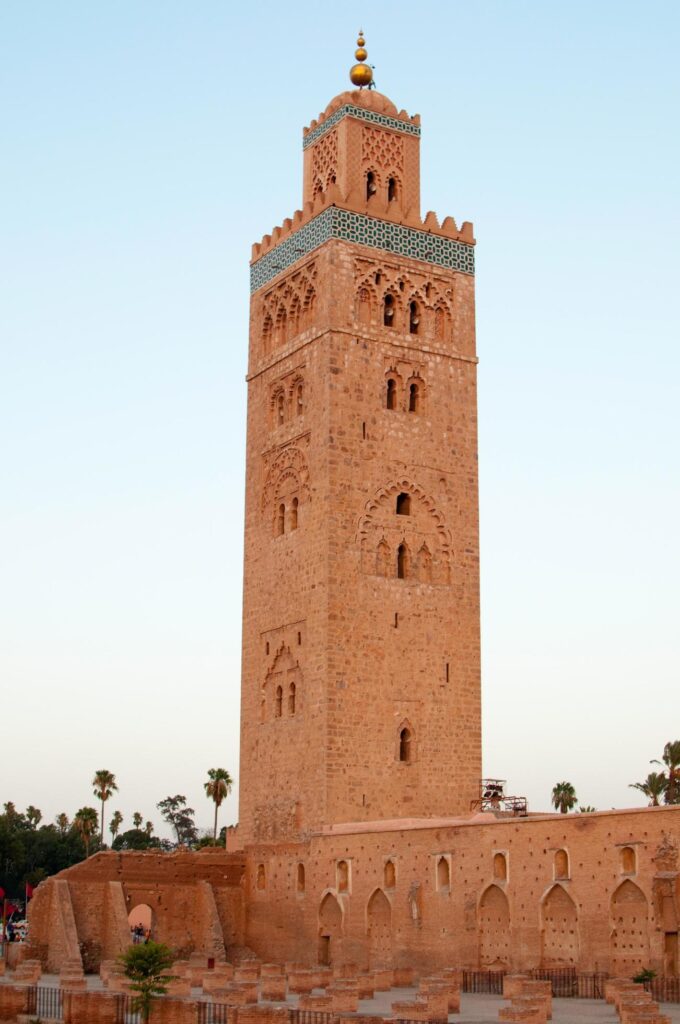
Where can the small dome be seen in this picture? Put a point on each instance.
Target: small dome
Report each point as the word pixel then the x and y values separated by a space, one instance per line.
pixel 369 98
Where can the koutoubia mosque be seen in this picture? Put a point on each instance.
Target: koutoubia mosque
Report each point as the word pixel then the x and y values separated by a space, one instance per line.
pixel 367 835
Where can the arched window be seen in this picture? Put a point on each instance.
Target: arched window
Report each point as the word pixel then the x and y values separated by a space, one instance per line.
pixel 280 408
pixel 291 699
pixel 389 875
pixel 294 514
pixel 402 562
pixel 391 393
pixel 440 324
pixel 278 702
pixel 281 519
pixel 561 864
pixel 443 874
pixel 300 878
pixel 388 310
pixel 424 564
pixel 405 745
pixel 628 860
pixel 261 877
pixel 299 403
pixel 267 329
pixel 500 867
pixel 370 185
pixel 343 876
pixel 413 317
pixel 364 304
pixel 403 504
pixel 413 397
pixel 391 189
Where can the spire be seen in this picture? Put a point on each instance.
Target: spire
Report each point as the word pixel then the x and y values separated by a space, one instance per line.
pixel 361 74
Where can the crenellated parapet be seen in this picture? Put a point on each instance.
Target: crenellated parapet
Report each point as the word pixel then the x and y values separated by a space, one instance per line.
pixel 327 216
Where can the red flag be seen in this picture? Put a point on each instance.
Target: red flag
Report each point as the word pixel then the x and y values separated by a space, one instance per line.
pixel 2 893
pixel 29 891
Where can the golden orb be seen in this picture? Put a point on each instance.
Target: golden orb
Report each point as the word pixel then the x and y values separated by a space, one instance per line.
pixel 360 54
pixel 361 75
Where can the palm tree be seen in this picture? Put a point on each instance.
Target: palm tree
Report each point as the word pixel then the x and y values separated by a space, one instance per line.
pixel 671 759
pixel 104 786
pixel 33 815
pixel 86 821
pixel 148 827
pixel 137 819
pixel 564 797
pixel 115 823
pixel 217 788
pixel 588 809
pixel 653 787
pixel 62 823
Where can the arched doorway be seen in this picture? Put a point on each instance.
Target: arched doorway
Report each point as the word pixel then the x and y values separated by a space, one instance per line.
pixel 379 927
pixel 494 928
pixel 330 929
pixel 559 929
pixel 629 944
pixel 141 921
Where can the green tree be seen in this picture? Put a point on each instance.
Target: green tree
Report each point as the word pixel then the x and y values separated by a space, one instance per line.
pixel 136 839
pixel 147 966
pixel 653 787
pixel 148 828
pixel 588 809
pixel 180 817
pixel 115 823
pixel 33 816
pixel 564 797
pixel 137 819
pixel 671 760
pixel 104 783
pixel 85 822
pixel 217 788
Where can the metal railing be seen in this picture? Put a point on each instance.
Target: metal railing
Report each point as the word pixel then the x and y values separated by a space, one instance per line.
pixel 664 990
pixel 311 1017
pixel 45 1003
pixel 214 1013
pixel 483 982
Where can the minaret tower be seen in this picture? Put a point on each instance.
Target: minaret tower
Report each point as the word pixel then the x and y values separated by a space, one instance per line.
pixel 360 688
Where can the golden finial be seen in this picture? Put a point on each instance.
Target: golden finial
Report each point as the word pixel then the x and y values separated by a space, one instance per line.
pixel 361 74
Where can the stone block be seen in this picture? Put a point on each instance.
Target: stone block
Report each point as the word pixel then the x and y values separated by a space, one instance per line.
pixel 273 988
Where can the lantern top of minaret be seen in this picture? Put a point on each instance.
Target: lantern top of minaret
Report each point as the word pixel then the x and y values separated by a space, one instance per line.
pixel 361 74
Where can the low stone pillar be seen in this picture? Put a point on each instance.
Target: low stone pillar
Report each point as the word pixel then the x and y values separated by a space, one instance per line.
pixel 513 984
pixel 90 1008
pixel 403 977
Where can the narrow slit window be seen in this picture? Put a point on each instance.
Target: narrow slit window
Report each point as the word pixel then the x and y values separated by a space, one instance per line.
pixel 294 514
pixel 388 311
pixel 413 398
pixel 280 408
pixel 405 745
pixel 391 189
pixel 291 699
pixel 402 562
pixel 370 185
pixel 281 519
pixel 278 705
pixel 413 318
pixel 299 406
pixel 391 400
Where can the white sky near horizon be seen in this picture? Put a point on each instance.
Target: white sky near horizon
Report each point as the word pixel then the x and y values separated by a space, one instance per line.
pixel 145 148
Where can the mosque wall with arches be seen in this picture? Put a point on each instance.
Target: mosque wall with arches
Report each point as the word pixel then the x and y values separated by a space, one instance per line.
pixel 593 892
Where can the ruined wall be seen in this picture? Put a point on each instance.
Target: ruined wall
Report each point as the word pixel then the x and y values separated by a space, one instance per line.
pixel 596 892
pixel 196 902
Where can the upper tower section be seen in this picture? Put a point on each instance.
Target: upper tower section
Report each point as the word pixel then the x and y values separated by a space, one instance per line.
pixel 365 148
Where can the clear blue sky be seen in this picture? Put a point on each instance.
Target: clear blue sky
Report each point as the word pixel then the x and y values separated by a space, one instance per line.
pixel 145 147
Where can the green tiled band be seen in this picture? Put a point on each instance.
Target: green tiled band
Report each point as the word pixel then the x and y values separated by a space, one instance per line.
pixel 357 227
pixel 364 115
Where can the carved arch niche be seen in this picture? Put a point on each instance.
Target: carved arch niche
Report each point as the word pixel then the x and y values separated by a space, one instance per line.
pixel 282 688
pixel 330 929
pixel 379 929
pixel 385 530
pixel 286 489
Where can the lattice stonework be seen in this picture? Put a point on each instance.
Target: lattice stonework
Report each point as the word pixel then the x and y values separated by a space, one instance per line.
pixel 364 115
pixel 369 231
pixel 383 150
pixel 325 160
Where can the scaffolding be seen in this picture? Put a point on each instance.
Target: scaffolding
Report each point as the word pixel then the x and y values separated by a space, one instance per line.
pixel 492 797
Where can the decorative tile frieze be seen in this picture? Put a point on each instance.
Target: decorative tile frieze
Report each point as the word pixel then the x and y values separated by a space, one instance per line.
pixel 357 227
pixel 349 110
